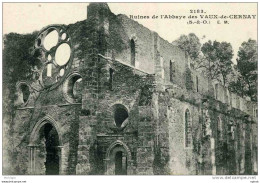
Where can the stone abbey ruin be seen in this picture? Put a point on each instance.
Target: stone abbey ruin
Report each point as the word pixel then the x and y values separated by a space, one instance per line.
pixel 124 101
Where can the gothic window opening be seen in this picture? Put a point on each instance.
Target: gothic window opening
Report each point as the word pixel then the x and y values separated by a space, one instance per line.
pixel 216 91
pixel 171 71
pixel 188 130
pixel 231 130
pixel 73 87
pixel 219 129
pixel 111 72
pixel 197 84
pixel 77 88
pixel 228 97
pixel 248 151
pixel 255 111
pixel 120 115
pixel 206 125
pixel 132 45
pixel 49 70
pixel 25 92
pixel 238 136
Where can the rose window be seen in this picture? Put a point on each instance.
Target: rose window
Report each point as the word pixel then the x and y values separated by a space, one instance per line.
pixel 55 46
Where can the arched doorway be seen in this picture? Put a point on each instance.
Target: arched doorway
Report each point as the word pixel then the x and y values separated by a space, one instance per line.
pixel 51 147
pixel 45 149
pixel 118 161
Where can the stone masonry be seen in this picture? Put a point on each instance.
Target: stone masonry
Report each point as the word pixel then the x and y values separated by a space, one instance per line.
pixel 129 103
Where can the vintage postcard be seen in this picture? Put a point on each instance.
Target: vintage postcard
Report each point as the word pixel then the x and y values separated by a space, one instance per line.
pixel 130 89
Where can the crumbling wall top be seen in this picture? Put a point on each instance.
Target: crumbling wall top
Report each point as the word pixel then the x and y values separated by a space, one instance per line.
pixel 97 9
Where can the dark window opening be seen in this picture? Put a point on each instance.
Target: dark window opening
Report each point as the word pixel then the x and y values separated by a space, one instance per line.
pixel 188 134
pixel 171 71
pixel 120 115
pixel 219 129
pixel 51 144
pixel 25 92
pixel 120 163
pixel 197 83
pixel 132 42
pixel 216 90
pixel 38 42
pixel 111 72
pixel 255 112
pixel 238 137
pixel 74 88
pixel 77 88
pixel 248 152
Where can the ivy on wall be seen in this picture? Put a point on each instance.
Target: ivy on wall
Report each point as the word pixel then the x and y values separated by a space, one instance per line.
pixel 18 63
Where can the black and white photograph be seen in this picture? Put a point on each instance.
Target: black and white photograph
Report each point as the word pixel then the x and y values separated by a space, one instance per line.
pixel 96 88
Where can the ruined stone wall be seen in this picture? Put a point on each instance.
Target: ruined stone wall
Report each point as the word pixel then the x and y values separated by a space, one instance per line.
pixel 97 128
pixel 50 105
pixel 172 53
pixel 143 38
pixel 20 137
pixel 154 132
pixel 150 47
pixel 221 147
pixel 182 159
pixel 127 89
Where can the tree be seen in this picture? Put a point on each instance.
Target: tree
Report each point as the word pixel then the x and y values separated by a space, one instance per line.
pixel 217 60
pixel 237 84
pixel 191 44
pixel 247 67
pixel 224 57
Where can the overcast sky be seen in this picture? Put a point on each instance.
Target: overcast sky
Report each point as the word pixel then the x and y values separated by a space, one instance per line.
pixel 28 17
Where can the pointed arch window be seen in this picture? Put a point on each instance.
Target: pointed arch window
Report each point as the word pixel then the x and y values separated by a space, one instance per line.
pixel 120 115
pixel 188 130
pixel 197 84
pixel 219 129
pixel 172 70
pixel 216 91
pixel 132 45
pixel 25 92
pixel 111 73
